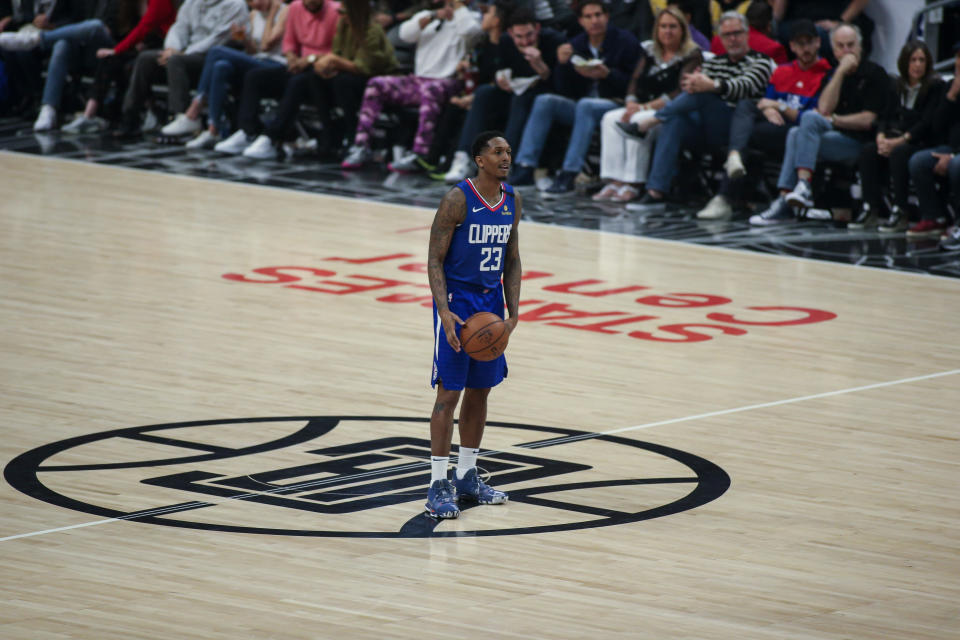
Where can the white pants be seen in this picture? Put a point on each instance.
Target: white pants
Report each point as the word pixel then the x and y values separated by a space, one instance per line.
pixel 623 158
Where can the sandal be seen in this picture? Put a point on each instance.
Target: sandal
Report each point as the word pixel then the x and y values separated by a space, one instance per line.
pixel 626 193
pixel 608 192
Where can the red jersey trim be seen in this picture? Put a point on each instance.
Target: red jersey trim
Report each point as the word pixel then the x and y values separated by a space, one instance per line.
pixel 477 193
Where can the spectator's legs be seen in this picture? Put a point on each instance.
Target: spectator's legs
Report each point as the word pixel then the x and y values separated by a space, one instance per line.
pixel 144 69
pixel 547 109
pixel 767 137
pixel 745 116
pixel 347 91
pixel 788 168
pixel 66 43
pixel 921 171
pixel 900 173
pixel 681 118
pixel 623 159
pixel 181 70
pixel 382 90
pixel 434 93
pixel 587 116
pixel 305 86
pixel 483 99
pixel 953 179
pixel 520 106
pixel 872 175
pixel 257 83
pixel 811 131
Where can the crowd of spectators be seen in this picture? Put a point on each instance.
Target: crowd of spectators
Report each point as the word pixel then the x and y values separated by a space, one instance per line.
pixel 658 90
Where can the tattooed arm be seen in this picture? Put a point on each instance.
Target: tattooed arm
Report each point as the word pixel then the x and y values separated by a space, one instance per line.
pixel 452 211
pixel 511 267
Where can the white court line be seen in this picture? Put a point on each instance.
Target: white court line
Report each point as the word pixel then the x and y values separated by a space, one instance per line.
pixel 660 423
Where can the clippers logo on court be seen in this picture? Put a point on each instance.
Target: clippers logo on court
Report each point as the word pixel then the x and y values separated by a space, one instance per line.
pixel 348 476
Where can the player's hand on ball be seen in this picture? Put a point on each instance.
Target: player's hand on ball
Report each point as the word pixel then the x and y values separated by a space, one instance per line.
pixel 511 323
pixel 450 320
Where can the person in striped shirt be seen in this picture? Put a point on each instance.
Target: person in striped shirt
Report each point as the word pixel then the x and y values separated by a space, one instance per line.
pixel 704 109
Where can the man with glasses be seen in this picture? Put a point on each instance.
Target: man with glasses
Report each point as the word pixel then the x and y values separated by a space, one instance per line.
pixel 704 109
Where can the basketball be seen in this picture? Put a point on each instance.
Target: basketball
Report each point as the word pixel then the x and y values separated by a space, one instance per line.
pixel 484 336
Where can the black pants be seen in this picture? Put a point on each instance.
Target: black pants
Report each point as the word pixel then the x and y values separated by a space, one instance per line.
pixel 182 72
pixel 877 171
pixel 344 90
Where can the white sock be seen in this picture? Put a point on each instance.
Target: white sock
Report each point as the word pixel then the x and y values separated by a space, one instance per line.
pixel 438 468
pixel 467 461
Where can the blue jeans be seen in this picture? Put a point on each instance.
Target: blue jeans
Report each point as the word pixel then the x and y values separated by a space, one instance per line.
pixel 65 44
pixel 584 114
pixel 921 170
pixel 688 120
pixel 223 68
pixel 814 138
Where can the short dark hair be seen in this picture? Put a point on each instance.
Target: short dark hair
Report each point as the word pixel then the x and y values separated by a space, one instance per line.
pixel 579 5
pixel 482 141
pixel 760 15
pixel 687 7
pixel 521 15
pixel 504 8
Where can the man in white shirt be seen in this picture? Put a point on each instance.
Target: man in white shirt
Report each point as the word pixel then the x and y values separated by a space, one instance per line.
pixel 442 36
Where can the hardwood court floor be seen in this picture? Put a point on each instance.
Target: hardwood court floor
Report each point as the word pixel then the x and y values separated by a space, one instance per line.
pixel 256 362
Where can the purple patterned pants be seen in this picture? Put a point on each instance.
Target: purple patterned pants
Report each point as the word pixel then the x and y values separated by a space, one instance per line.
pixel 430 94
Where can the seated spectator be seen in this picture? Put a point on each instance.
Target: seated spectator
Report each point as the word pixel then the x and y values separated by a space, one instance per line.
pixel 624 159
pixel 475 72
pixel 941 162
pixel 703 112
pixel 720 7
pixel 763 125
pixel 439 49
pixel 529 56
pixel 66 45
pixel 21 23
pixel 114 64
pixel 843 121
pixel 200 25
pixel 905 128
pixel 335 78
pixel 759 17
pixel 225 66
pixel 827 15
pixel 592 70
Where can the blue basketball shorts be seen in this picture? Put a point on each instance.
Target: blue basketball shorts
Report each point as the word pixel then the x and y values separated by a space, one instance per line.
pixel 458 370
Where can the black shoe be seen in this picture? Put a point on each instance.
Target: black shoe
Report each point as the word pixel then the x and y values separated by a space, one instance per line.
pixel 864 218
pixel 521 176
pixel 648 203
pixel 129 128
pixel 562 185
pixel 897 222
pixel 631 130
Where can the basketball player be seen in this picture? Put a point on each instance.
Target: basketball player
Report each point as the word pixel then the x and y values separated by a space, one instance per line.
pixel 473 245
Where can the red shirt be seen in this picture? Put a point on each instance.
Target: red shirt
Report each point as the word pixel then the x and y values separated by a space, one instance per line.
pixel 758 42
pixel 159 16
pixel 307 32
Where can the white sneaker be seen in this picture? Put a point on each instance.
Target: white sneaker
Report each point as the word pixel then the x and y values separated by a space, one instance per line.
pixel 47 119
pixel 20 40
pixel 181 126
pixel 205 140
pixel 83 124
pixel 150 122
pixel 261 149
pixel 734 165
pixel 235 144
pixel 458 168
pixel 717 209
pixel 801 196
pixel 357 156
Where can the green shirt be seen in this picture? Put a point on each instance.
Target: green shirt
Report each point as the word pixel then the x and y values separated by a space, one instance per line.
pixel 373 57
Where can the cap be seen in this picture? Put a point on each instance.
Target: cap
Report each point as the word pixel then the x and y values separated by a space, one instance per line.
pixel 803 27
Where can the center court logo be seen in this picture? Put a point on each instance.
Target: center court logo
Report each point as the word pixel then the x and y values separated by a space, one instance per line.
pixel 357 476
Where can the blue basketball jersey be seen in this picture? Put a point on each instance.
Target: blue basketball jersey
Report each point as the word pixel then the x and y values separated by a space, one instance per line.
pixel 479 244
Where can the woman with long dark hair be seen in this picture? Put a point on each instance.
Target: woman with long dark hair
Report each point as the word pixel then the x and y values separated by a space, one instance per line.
pixel 904 129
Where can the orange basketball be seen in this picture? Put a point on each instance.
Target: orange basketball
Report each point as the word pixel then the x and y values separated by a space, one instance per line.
pixel 484 336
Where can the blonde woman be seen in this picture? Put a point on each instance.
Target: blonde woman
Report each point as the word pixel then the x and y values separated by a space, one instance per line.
pixel 625 156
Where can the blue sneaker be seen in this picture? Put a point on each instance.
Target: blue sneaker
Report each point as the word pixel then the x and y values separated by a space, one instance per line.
pixel 442 500
pixel 473 488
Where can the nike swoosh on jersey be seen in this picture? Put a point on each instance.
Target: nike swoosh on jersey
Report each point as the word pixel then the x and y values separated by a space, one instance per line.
pixel 475 209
